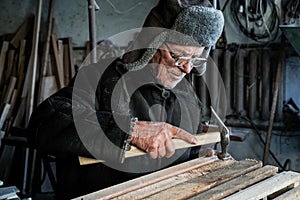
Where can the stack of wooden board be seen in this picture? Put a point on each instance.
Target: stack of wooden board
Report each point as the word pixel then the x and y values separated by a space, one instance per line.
pixel 208 178
pixel 28 76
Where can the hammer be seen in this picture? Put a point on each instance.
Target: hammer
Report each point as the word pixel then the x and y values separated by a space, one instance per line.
pixel 225 137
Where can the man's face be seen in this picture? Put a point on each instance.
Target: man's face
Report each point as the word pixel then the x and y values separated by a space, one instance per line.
pixel 168 69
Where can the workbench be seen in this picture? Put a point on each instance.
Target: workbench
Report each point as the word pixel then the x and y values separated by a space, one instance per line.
pixel 208 178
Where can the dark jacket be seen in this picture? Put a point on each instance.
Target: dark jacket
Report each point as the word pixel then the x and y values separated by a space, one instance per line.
pixel 91 117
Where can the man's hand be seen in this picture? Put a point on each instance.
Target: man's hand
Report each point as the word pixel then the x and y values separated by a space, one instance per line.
pixel 156 138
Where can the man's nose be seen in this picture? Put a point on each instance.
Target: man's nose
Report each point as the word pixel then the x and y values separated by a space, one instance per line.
pixel 186 67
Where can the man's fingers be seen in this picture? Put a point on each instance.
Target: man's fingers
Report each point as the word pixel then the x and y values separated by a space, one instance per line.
pixel 153 150
pixel 153 154
pixel 184 135
pixel 170 148
pixel 161 151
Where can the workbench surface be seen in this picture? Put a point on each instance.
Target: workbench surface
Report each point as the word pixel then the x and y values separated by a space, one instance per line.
pixel 208 178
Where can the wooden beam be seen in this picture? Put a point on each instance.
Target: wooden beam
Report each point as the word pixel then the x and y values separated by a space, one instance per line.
pixel 21 59
pixel 267 187
pixel 46 53
pixel 10 64
pixel 11 87
pixel 3 57
pixel 72 66
pixel 204 138
pixel 149 179
pixel 237 184
pixel 292 194
pixel 66 64
pixel 49 87
pixel 58 67
pixel 22 32
pixel 4 115
pixel 164 185
pixel 60 48
pixel 34 59
pixel 211 179
pixel 12 103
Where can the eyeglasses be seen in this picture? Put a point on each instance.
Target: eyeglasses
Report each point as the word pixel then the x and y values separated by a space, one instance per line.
pixel 181 60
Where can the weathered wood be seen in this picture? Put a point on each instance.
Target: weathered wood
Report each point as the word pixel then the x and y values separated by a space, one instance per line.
pixel 50 87
pixel 58 67
pixel 293 194
pixel 211 179
pixel 20 114
pixel 21 63
pixel 46 54
pixel 11 87
pixel 10 64
pixel 4 115
pixel 34 59
pixel 88 161
pixel 175 180
pixel 60 48
pixel 22 32
pixel 12 103
pixel 72 66
pixel 3 57
pixel 204 138
pixel 66 64
pixel 146 180
pixel 267 187
pixel 237 184
pixel 46 49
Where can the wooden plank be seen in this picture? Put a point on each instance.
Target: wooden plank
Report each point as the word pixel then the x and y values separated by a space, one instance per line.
pixel 20 114
pixel 88 161
pixel 11 87
pixel 58 68
pixel 149 179
pixel 203 138
pixel 50 87
pixel 237 184
pixel 211 179
pixel 46 49
pixel 4 115
pixel 46 52
pixel 22 32
pixel 66 64
pixel 13 102
pixel 152 189
pixel 21 59
pixel 267 187
pixel 3 57
pixel 293 194
pixel 10 64
pixel 60 48
pixel 72 66
pixel 33 60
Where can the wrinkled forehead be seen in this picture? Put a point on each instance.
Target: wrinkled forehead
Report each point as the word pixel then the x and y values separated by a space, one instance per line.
pixel 186 50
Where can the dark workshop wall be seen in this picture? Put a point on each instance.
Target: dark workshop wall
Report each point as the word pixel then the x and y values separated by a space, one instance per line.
pixel 71 17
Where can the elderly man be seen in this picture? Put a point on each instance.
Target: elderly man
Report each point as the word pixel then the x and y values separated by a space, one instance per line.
pixel 142 100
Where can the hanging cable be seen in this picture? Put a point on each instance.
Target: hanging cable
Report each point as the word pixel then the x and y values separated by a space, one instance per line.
pixel 257 19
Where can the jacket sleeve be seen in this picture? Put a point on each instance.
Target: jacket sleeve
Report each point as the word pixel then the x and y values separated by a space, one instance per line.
pixel 71 123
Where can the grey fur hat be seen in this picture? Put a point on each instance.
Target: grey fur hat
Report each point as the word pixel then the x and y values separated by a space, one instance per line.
pixel 194 26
